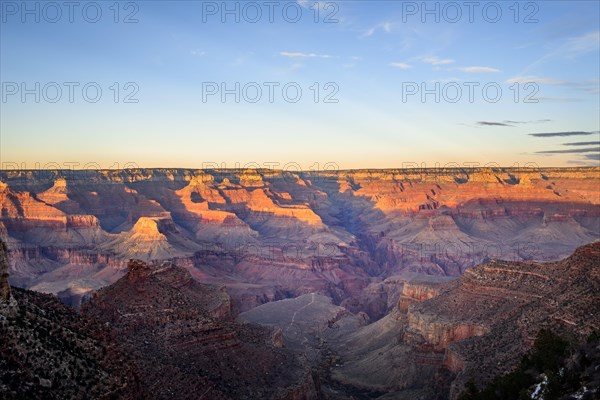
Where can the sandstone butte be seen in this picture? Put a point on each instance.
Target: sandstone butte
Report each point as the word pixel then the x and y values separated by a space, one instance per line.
pixel 268 235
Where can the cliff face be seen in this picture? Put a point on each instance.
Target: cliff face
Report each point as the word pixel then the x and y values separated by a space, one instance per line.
pixel 182 336
pixel 487 319
pixel 477 326
pixel 430 331
pixel 286 234
pixel 416 292
pixel 514 301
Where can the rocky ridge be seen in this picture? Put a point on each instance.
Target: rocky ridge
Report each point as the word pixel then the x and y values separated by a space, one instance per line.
pixel 182 336
pixel 476 327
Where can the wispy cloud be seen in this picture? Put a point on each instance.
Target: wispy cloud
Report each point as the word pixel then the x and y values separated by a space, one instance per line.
pixel 590 85
pixel 511 123
pixel 400 65
pixel 437 60
pixel 383 26
pixel 490 123
pixel 570 48
pixel 304 55
pixel 586 43
pixel 479 70
pixel 570 151
pixel 197 53
pixel 538 121
pixel 581 163
pixel 582 144
pixel 555 134
pixel 311 5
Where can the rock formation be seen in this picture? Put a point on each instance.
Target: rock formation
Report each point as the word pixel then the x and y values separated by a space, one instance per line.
pixel 268 235
pixel 183 338
pixel 475 327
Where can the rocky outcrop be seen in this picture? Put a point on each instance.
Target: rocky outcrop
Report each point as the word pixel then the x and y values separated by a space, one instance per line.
pixel 477 326
pixel 516 300
pixel 418 290
pixel 487 319
pixel 170 323
pixel 429 331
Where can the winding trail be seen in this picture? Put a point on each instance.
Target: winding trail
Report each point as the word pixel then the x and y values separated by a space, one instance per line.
pixel 293 321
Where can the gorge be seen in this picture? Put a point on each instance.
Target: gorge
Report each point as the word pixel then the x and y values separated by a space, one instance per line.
pixel 383 282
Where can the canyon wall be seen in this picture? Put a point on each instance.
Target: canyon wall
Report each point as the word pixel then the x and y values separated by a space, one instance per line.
pixel 268 234
pixel 476 327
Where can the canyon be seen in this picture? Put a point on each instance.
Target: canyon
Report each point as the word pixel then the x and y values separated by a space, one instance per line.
pixel 269 235
pixel 155 333
pixel 475 327
pixel 442 334
pixel 362 284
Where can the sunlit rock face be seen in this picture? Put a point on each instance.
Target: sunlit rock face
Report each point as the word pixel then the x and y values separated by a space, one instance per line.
pixel 268 235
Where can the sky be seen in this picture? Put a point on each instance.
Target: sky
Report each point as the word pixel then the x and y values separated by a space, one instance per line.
pixel 299 84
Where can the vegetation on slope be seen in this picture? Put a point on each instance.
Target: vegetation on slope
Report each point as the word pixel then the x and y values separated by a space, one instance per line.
pixel 557 368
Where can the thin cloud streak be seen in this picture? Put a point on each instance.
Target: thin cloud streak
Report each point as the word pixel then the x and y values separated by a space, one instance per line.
pixel 582 144
pixel 402 66
pixel 479 70
pixel 304 55
pixel 570 151
pixel 437 61
pixel 554 134
pixel 384 26
pixel 511 123
pixel 488 123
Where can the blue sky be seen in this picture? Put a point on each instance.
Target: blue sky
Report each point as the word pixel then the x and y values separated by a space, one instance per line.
pixel 366 56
